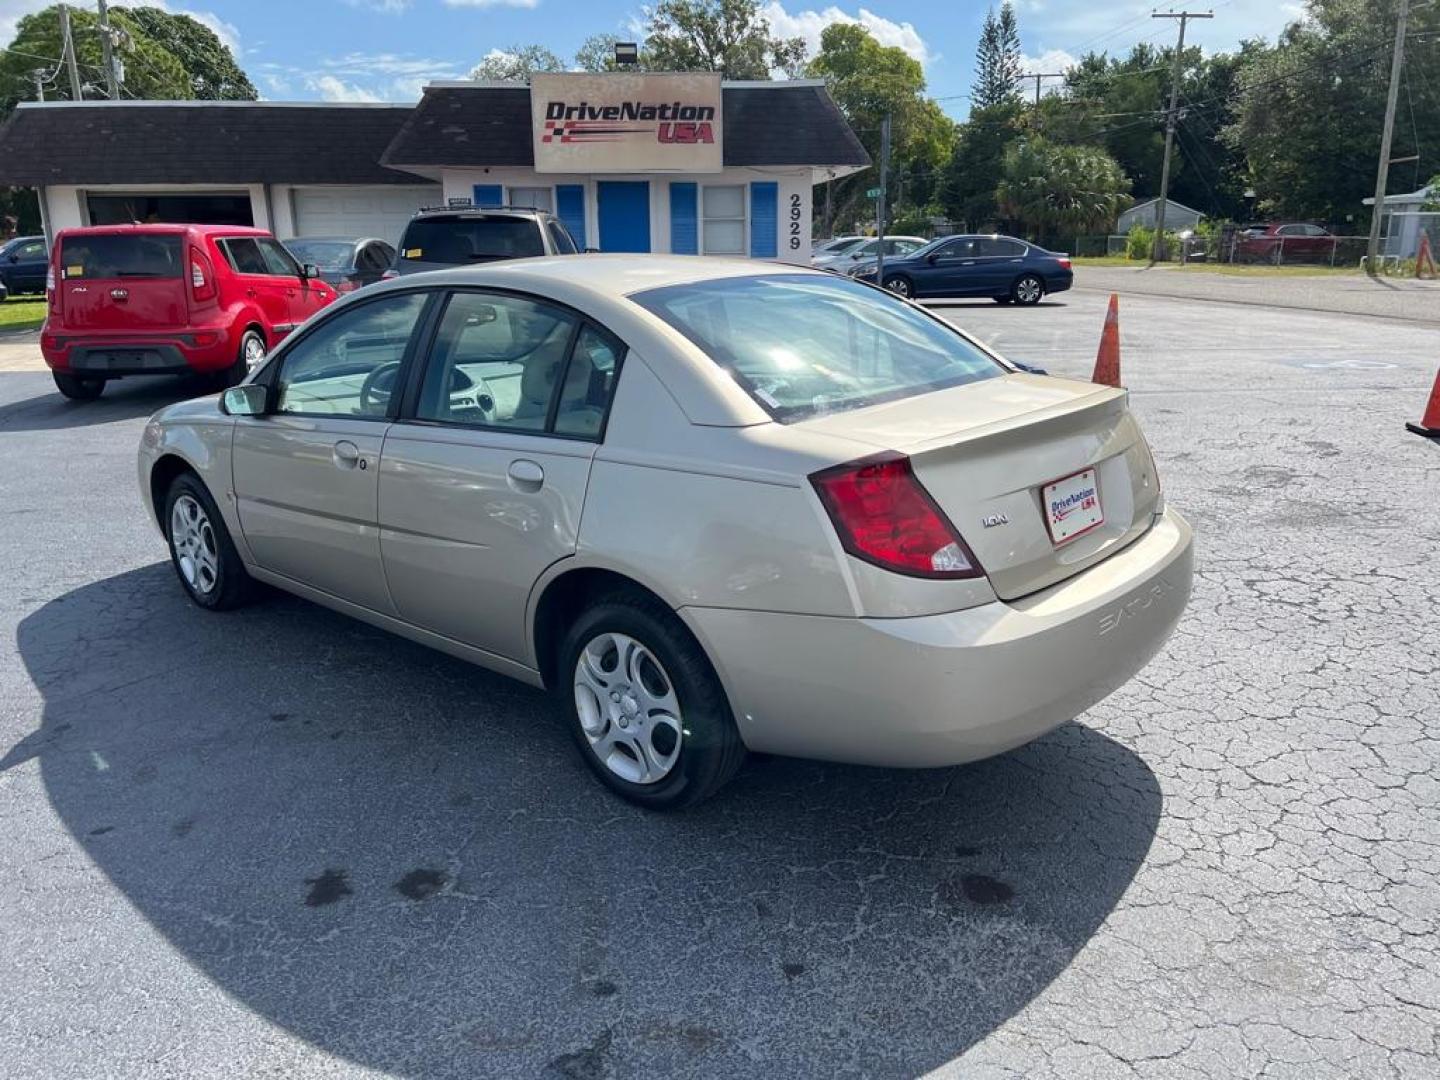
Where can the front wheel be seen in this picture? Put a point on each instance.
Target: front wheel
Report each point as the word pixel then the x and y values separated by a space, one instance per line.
pixel 900 286
pixel 644 705
pixel 78 389
pixel 201 550
pixel 1028 290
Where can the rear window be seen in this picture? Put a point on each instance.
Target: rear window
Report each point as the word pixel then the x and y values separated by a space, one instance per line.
pixel 120 256
pixel 456 240
pixel 803 345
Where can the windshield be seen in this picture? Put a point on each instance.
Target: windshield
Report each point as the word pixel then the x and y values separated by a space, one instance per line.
pixel 835 247
pixel 114 255
pixel 326 254
pixel 470 239
pixel 803 345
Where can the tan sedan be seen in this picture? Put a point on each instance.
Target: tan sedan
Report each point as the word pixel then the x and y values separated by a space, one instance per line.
pixel 712 505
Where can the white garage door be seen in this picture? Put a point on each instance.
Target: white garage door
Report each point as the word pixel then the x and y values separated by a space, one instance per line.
pixel 360 211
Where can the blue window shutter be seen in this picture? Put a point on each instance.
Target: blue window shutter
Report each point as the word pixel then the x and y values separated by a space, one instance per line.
pixel 570 208
pixel 684 226
pixel 764 219
pixel 488 195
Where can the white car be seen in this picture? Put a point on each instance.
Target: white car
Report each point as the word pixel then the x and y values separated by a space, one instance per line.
pixel 895 246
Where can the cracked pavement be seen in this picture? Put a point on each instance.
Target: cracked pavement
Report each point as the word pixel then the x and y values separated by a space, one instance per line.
pixel 278 842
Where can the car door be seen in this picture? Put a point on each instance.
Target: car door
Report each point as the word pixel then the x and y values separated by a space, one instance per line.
pixel 26 272
pixel 306 473
pixel 305 296
pixel 269 293
pixel 999 261
pixel 483 476
pixel 949 270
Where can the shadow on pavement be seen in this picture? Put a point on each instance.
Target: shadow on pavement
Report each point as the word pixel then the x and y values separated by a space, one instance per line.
pixel 398 858
pixel 124 399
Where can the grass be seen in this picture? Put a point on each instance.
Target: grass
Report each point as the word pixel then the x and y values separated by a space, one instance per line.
pixel 1227 269
pixel 22 313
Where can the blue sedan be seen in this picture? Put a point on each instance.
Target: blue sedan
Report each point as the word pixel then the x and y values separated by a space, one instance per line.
pixel 1001 267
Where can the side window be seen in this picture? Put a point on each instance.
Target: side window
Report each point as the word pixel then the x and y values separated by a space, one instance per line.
pixel 560 237
pixel 957 249
pixel 371 258
pixel 589 383
pixel 33 251
pixel 244 256
pixel 1000 248
pixel 495 362
pixel 278 261
pixel 347 366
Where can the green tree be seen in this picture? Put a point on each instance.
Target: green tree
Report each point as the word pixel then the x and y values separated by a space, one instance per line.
pixel 516 64
pixel 1051 190
pixel 869 80
pixel 597 53
pixel 211 67
pixel 997 60
pixel 967 188
pixel 729 36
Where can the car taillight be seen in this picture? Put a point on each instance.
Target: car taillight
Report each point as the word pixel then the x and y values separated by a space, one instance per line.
pixel 389 275
pixel 50 279
pixel 885 516
pixel 1064 263
pixel 202 280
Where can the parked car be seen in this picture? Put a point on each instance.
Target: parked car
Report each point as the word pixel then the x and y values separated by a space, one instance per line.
pixel 4 293
pixel 895 246
pixel 464 236
pixel 713 505
pixel 1001 267
pixel 23 261
pixel 837 246
pixel 1287 242
pixel 348 263
pixel 169 300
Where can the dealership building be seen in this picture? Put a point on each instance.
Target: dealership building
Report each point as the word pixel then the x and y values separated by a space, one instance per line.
pixel 678 163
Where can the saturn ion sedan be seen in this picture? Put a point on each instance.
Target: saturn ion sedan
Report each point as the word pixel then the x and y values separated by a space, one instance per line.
pixel 714 506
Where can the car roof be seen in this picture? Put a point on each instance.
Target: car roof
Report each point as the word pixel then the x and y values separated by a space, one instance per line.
pixel 613 275
pixel 337 239
pixel 480 211
pixel 165 229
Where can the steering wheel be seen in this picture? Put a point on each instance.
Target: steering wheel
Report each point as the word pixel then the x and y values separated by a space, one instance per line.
pixel 475 397
pixel 375 391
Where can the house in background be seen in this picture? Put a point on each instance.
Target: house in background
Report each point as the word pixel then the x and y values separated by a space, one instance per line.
pixel 1404 219
pixel 1178 216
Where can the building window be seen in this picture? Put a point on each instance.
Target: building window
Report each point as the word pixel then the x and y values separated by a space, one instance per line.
pixel 541 198
pixel 723 228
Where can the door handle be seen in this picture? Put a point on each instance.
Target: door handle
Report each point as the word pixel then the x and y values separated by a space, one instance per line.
pixel 250 292
pixel 346 455
pixel 525 475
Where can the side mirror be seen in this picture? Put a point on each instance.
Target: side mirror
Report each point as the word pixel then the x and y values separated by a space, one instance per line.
pixel 309 270
pixel 247 399
pixel 933 258
pixel 15 258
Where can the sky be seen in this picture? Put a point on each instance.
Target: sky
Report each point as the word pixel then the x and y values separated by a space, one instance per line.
pixel 387 50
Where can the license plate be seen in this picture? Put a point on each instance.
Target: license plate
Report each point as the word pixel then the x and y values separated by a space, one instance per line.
pixel 1072 505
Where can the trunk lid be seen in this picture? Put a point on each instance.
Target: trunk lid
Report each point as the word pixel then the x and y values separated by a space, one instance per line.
pixel 986 453
pixel 122 281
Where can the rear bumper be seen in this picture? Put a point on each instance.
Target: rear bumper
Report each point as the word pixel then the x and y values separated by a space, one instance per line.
pixel 1059 282
pixel 945 689
pixel 112 355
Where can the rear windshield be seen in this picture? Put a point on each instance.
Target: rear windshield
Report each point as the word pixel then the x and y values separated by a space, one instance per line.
pixel 456 240
pixel 803 345
pixel 120 256
pixel 326 254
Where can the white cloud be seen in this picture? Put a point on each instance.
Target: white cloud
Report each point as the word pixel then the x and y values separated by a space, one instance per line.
pixel 1049 62
pixel 810 24
pixel 384 7
pixel 331 88
pixel 493 3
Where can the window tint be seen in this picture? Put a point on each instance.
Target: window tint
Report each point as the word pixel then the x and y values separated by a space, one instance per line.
pixel 326 254
pixel 277 260
pixel 814 344
pixel 347 366
pixel 589 382
pixel 495 362
pixel 33 250
pixel 244 256
pixel 457 240
pixel 560 237
pixel 957 249
pixel 371 257
pixel 998 246
pixel 116 256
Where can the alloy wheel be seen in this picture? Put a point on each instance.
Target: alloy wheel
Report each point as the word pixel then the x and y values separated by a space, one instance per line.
pixel 193 538
pixel 899 286
pixel 628 709
pixel 1028 290
pixel 254 352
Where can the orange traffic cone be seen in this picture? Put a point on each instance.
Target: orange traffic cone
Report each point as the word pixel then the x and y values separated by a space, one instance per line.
pixel 1429 424
pixel 1107 360
pixel 1425 260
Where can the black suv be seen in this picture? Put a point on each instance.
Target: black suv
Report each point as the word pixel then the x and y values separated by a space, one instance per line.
pixel 464 235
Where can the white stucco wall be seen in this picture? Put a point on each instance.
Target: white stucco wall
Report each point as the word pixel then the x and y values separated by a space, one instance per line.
pixel 794 188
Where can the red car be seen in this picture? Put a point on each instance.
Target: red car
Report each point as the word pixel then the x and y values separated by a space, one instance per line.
pixel 1281 243
pixel 169 299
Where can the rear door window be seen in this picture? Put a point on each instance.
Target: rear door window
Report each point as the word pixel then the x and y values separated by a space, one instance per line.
pixel 243 255
pixel 1001 248
pixel 105 256
pixel 560 237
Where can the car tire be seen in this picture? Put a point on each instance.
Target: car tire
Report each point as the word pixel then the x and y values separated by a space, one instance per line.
pixel 1027 290
pixel 629 663
pixel 76 388
pixel 901 286
pixel 201 550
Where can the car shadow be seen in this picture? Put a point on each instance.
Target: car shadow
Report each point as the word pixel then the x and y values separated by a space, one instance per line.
pixel 986 302
pixel 399 858
pixel 123 399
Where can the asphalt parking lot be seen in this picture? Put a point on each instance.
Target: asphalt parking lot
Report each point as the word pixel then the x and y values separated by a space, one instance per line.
pixel 278 842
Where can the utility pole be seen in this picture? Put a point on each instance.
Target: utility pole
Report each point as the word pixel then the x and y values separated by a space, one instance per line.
pixel 1382 174
pixel 1037 76
pixel 107 49
pixel 67 52
pixel 880 202
pixel 1158 251
pixel 39 76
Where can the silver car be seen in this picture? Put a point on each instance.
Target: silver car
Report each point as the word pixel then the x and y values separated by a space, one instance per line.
pixel 712 505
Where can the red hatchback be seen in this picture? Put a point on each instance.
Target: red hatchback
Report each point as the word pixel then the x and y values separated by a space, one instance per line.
pixel 169 299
